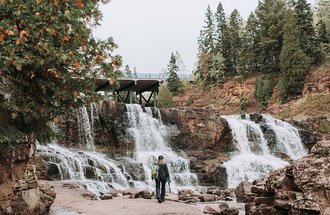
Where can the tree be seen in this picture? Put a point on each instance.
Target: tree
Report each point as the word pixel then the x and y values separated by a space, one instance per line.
pixel 164 98
pixel 128 72
pixel 306 29
pixel 216 74
pixel 235 41
pixel 174 82
pixel 222 37
pixel 48 56
pixel 270 16
pixel 323 14
pixel 208 31
pixel 134 72
pixel 250 46
pixel 294 63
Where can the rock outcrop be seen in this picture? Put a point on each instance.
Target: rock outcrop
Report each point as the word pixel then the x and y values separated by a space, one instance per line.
pixel 301 188
pixel 205 138
pixel 20 192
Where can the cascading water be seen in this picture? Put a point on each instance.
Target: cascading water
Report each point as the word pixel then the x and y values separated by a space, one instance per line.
pixel 94 170
pixel 287 137
pixel 150 135
pixel 85 129
pixel 253 158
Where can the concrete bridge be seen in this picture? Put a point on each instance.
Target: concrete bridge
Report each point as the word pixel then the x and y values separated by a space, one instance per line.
pixel 127 89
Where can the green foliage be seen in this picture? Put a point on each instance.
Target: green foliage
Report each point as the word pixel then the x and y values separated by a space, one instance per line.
pixel 243 101
pixel 222 37
pixel 128 72
pixel 250 46
pixel 324 126
pixel 307 37
pixel 270 15
pixel 48 56
pixel 235 42
pixel 174 82
pixel 294 62
pixel 216 74
pixel 323 15
pixel 263 90
pixel 208 31
pixel 164 98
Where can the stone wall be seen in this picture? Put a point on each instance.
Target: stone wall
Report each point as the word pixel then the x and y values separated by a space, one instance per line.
pixel 20 192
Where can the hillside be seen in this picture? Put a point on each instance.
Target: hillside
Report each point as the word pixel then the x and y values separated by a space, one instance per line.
pixel 237 96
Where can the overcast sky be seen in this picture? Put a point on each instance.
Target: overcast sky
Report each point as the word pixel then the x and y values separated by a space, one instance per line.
pixel 147 31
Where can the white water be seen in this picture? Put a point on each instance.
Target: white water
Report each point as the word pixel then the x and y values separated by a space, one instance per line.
pixel 85 128
pixel 103 175
pixel 252 159
pixel 287 137
pixel 150 135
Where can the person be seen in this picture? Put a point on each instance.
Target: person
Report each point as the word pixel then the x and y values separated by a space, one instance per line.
pixel 161 179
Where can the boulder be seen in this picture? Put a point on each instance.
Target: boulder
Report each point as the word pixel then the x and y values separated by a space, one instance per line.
pixel 142 194
pixel 300 188
pixel 243 190
pixel 210 210
pixel 106 196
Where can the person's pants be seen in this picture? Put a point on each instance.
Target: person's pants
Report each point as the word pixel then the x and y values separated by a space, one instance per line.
pixel 160 192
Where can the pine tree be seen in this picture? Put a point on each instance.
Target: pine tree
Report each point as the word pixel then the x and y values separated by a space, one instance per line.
pixel 270 16
pixel 306 29
pixel 174 82
pixel 216 74
pixel 134 72
pixel 323 42
pixel 250 46
pixel 209 31
pixel 222 37
pixel 294 63
pixel 128 72
pixel 235 41
pixel 323 14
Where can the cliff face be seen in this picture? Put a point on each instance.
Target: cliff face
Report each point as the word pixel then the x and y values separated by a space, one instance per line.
pixel 199 133
pixel 301 188
pixel 205 138
pixel 20 192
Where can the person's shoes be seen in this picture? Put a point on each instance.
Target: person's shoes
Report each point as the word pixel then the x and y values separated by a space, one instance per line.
pixel 159 200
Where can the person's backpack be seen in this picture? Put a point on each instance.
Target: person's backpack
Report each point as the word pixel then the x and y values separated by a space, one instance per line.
pixel 154 172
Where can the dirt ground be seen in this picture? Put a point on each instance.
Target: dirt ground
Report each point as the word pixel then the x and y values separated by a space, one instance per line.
pixel 70 202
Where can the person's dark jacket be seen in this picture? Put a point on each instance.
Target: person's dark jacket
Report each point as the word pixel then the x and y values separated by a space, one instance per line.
pixel 163 172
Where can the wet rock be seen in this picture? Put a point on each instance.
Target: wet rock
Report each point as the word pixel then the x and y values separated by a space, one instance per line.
pixel 229 211
pixel 90 172
pixel 300 188
pixel 243 190
pixel 106 196
pixel 130 191
pixel 53 171
pixel 227 195
pixel 209 198
pixel 142 194
pixel 210 210
pixel 89 195
pixel 136 171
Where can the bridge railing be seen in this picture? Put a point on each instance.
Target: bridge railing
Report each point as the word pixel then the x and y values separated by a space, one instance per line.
pixel 161 76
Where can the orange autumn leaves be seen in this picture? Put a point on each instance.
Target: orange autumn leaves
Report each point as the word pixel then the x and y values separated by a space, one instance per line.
pixel 80 5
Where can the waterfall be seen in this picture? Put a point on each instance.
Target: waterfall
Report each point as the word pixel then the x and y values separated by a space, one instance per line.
pixel 85 128
pixel 287 137
pixel 93 170
pixel 149 135
pixel 253 157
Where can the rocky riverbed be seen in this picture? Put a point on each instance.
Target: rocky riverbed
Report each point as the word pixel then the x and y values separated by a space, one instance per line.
pixel 70 200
